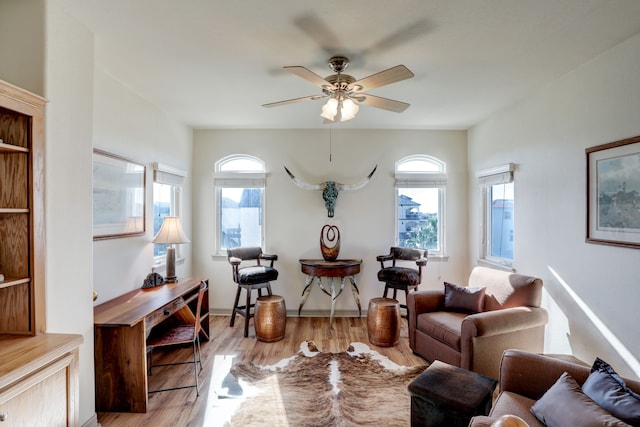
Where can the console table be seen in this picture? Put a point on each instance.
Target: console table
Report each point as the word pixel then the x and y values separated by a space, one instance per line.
pixel 319 268
pixel 121 328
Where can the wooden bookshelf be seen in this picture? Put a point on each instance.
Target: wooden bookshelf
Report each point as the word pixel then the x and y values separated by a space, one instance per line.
pixel 21 211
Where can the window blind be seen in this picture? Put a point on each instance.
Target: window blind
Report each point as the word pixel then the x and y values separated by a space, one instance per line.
pixel 163 174
pixel 420 180
pixel 239 180
pixel 498 175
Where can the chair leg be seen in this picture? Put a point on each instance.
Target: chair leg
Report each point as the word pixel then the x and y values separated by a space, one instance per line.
pixel 406 298
pixel 235 307
pixel 195 365
pixel 386 288
pixel 248 313
pixel 199 353
pixel 269 289
pixel 149 360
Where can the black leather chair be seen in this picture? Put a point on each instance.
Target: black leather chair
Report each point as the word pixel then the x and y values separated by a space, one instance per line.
pixel 252 269
pixel 398 277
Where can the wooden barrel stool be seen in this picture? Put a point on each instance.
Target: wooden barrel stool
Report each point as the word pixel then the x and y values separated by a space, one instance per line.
pixel 383 322
pixel 270 318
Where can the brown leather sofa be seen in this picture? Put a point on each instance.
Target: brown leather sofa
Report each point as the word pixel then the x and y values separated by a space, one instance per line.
pixel 509 316
pixel 525 377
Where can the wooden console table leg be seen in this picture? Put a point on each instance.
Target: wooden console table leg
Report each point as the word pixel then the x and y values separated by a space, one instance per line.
pixel 121 368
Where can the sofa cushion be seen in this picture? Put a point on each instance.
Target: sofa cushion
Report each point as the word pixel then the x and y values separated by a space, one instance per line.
pixel 465 300
pixel 513 403
pixel 564 404
pixel 605 387
pixel 444 326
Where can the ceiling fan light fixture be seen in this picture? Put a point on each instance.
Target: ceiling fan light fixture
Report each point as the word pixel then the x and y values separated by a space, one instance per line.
pixel 330 109
pixel 349 109
pixel 339 109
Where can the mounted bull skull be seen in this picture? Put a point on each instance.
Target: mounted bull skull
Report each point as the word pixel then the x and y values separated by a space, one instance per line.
pixel 330 189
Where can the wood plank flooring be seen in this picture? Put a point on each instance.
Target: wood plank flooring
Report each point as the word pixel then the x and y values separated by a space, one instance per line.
pixel 181 408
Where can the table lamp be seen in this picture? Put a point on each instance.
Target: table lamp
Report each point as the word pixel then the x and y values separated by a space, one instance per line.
pixel 171 233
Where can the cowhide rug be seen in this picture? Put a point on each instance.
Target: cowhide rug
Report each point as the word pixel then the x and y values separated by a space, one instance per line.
pixel 358 387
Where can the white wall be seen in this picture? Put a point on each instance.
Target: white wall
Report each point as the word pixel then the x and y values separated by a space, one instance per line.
pixel 69 89
pixel 294 217
pixel 547 136
pixel 22 43
pixel 87 108
pixel 129 126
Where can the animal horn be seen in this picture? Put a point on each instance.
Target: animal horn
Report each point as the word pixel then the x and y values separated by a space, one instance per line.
pixel 347 187
pixel 302 184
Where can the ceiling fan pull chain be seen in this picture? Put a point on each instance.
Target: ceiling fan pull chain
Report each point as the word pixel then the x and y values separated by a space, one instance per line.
pixel 330 143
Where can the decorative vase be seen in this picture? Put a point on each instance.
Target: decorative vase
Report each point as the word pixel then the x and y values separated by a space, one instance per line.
pixel 330 233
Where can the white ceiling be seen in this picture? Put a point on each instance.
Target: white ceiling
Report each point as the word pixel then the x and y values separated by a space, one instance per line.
pixel 213 63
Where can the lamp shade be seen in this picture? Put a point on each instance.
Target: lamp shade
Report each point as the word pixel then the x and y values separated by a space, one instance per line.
pixel 171 232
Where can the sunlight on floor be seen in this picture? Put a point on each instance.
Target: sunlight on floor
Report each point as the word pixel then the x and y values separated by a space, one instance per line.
pixel 624 352
pixel 226 393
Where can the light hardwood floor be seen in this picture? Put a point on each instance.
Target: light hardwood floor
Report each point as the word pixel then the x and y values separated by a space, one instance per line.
pixel 181 408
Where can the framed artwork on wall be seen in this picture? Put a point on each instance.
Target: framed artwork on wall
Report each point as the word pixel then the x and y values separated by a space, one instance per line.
pixel 118 196
pixel 613 193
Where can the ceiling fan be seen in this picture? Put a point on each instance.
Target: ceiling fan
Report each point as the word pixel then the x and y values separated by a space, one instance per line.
pixel 345 93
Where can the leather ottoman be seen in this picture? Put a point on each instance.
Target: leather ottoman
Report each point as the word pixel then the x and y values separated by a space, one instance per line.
pixel 448 396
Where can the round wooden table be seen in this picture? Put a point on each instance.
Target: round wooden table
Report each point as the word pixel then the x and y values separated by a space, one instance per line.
pixel 319 268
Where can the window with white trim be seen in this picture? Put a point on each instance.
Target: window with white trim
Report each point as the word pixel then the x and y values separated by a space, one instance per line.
pixel 167 187
pixel 498 205
pixel 239 186
pixel 420 193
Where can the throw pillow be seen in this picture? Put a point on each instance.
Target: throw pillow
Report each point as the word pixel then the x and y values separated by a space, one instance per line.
pixel 466 300
pixel 605 387
pixel 565 405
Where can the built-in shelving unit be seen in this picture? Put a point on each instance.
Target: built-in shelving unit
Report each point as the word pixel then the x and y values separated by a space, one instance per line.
pixel 21 211
pixel 39 382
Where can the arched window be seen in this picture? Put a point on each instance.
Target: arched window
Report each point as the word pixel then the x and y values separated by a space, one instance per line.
pixel 420 193
pixel 239 185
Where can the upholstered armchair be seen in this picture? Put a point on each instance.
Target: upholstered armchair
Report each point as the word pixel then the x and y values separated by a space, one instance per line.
pixel 397 275
pixel 471 326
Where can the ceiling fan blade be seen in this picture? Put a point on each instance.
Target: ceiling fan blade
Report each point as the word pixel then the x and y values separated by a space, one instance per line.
pixel 321 33
pixel 291 101
pixel 308 75
pixel 383 103
pixel 388 76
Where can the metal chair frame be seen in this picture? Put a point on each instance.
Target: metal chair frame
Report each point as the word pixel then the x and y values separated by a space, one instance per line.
pixel 178 335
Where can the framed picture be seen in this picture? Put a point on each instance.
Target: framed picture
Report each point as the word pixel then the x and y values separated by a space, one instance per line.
pixel 613 193
pixel 118 196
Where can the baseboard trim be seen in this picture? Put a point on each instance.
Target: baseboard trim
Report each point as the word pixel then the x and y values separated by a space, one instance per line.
pixel 305 313
pixel 92 421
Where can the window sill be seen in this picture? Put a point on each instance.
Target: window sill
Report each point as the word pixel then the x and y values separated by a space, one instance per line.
pixel 497 265
pixel 438 258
